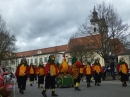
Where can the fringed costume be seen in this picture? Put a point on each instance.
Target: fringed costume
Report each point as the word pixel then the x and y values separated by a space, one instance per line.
pixel 88 73
pixel 122 68
pixel 40 72
pixel 51 71
pixel 22 72
pixel 97 70
pixel 32 74
pixel 75 71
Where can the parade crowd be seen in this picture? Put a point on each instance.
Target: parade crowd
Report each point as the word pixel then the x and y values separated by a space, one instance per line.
pixel 45 74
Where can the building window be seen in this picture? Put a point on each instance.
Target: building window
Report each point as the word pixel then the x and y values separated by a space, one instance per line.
pixel 35 60
pixel 39 52
pixel 13 62
pixel 18 62
pixel 70 61
pixel 45 59
pixel 28 61
pixel 31 60
pixel 40 60
pixel 94 29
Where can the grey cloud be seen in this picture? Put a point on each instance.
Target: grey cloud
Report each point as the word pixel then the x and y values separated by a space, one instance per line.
pixel 46 23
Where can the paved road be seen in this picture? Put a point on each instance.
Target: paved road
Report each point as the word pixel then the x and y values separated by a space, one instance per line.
pixel 107 89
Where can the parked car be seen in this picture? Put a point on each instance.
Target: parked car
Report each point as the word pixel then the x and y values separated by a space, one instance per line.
pixel 2 78
pixel 7 76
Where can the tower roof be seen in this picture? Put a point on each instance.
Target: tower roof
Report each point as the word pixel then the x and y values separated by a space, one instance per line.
pixel 95 16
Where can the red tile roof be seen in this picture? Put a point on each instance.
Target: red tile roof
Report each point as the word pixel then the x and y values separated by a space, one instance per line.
pixel 43 51
pixel 95 42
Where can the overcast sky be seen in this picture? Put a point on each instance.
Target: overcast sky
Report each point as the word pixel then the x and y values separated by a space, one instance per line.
pixel 46 23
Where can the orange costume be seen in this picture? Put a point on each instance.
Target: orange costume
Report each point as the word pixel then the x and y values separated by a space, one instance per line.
pixel 40 72
pixel 97 71
pixel 88 73
pixel 22 72
pixel 122 68
pixel 32 74
pixel 51 71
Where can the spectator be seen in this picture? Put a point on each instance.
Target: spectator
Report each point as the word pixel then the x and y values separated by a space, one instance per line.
pixel 108 69
pixel 112 66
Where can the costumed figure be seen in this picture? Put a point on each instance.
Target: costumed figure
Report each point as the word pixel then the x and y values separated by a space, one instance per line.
pixel 64 66
pixel 22 72
pixel 75 71
pixel 88 73
pixel 51 71
pixel 64 79
pixel 32 74
pixel 40 72
pixel 81 73
pixel 122 68
pixel 5 91
pixel 35 77
pixel 97 70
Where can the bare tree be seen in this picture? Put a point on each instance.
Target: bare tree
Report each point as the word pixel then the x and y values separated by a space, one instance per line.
pixel 109 37
pixel 77 47
pixel 7 41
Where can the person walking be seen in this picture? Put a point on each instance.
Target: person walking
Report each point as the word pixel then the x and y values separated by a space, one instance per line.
pixel 97 70
pixel 35 77
pixel 32 74
pixel 88 73
pixel 122 68
pixel 40 72
pixel 51 72
pixel 21 73
pixel 108 69
pixel 112 66
pixel 75 71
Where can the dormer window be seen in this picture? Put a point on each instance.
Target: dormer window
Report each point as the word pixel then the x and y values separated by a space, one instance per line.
pixel 39 52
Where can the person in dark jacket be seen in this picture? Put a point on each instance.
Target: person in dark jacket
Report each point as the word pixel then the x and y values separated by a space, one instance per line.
pixel 112 66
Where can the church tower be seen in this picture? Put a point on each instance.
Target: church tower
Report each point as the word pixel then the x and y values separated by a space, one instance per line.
pixel 94 22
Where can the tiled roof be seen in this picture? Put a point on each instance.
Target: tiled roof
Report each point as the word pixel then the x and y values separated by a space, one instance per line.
pixel 92 41
pixel 126 52
pixel 43 51
pixel 95 42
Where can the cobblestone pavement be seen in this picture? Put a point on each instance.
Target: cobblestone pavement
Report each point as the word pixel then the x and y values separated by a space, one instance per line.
pixel 107 89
